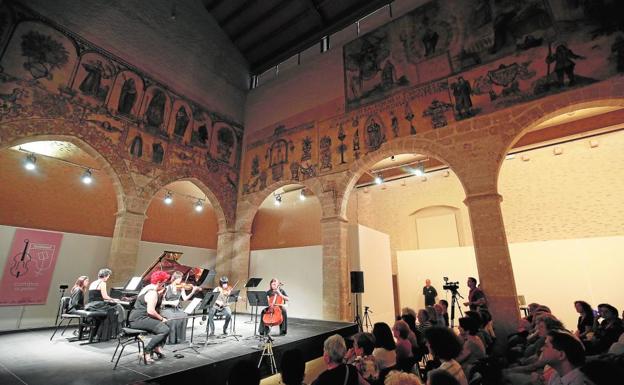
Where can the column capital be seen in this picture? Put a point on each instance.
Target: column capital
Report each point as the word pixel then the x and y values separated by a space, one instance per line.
pixel 482 197
pixel 334 218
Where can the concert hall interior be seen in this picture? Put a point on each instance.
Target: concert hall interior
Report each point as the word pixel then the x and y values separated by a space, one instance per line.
pixel 302 141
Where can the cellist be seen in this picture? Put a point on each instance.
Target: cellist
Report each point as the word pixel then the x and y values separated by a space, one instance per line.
pixel 276 296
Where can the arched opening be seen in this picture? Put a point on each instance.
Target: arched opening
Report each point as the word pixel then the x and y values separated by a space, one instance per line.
pixel 180 217
pixel 562 191
pixel 286 244
pixel 54 196
pixel 407 223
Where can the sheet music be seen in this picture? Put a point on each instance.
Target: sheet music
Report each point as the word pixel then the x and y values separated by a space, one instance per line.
pixel 133 284
pixel 190 308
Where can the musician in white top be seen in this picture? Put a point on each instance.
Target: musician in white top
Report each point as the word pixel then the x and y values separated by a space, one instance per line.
pixel 222 305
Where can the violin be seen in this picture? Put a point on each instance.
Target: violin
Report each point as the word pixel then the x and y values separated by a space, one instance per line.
pixel 20 261
pixel 188 286
pixel 273 314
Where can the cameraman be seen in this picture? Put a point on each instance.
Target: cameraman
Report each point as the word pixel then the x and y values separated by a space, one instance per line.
pixel 476 297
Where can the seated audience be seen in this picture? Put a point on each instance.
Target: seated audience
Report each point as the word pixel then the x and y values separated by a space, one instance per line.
pixel 396 377
pixel 415 337
pixel 404 355
pixel 441 377
pixel 244 372
pixel 585 322
pixel 473 348
pixel 446 346
pixel 485 337
pixel 361 356
pixel 385 347
pixel 334 350
pixel 292 367
pixel 423 320
pixel 445 316
pixel 607 332
pixel 439 313
pixel 564 353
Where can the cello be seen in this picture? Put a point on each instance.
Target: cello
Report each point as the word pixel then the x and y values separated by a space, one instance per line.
pixel 273 314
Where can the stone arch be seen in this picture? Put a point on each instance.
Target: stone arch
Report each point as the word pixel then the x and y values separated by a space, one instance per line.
pixel 394 147
pixel 249 205
pixel 97 146
pixel 149 191
pixel 605 94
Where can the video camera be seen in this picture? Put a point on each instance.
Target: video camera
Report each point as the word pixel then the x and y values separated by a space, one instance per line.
pixel 452 286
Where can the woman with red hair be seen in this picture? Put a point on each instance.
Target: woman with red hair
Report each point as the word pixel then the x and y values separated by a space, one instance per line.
pixel 145 316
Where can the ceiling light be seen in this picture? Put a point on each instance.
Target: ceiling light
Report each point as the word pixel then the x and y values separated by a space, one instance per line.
pixel 168 198
pixel 278 199
pixel 419 170
pixel 302 196
pixel 87 178
pixel 378 179
pixel 199 206
pixel 30 163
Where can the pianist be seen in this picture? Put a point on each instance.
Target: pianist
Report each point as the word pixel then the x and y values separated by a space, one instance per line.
pixel 99 300
pixel 145 314
pixel 171 308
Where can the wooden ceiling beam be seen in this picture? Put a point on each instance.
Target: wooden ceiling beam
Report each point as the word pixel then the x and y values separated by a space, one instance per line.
pixel 275 32
pixel 240 10
pixel 258 20
pixel 210 6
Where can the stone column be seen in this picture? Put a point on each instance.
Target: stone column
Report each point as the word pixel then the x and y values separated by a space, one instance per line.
pixel 335 268
pixel 124 250
pixel 233 255
pixel 493 261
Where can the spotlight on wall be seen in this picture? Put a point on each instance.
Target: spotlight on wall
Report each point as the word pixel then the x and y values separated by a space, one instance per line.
pixel 87 178
pixel 199 206
pixel 278 199
pixel 168 198
pixel 419 170
pixel 302 195
pixel 30 163
pixel 378 179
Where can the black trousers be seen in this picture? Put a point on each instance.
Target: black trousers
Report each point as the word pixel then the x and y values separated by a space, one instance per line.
pixel 264 330
pixel 160 329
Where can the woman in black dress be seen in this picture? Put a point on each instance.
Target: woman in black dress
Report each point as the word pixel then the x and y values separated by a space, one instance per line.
pixel 77 294
pixel 145 316
pixel 172 310
pixel 99 300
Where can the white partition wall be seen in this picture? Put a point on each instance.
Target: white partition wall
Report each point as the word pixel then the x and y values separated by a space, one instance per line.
pixel 554 273
pixel 370 253
pixel 301 270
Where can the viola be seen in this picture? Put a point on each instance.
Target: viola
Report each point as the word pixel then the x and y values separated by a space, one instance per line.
pixel 20 261
pixel 273 314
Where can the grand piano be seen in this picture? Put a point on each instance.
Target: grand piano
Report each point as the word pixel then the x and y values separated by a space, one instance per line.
pixel 168 261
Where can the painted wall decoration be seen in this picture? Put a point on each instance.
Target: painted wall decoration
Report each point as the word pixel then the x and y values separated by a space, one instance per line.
pixel 449 61
pixel 48 72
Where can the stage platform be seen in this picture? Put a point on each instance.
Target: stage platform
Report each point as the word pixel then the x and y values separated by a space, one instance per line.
pixel 29 358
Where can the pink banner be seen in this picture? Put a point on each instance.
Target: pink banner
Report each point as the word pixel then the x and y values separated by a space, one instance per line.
pixel 28 271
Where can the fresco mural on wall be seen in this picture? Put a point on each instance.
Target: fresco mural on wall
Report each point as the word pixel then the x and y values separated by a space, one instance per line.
pixel 49 73
pixel 449 61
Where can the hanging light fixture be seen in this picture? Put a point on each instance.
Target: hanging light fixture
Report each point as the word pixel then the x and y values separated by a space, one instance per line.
pixel 302 195
pixel 199 206
pixel 419 170
pixel 30 163
pixel 278 199
pixel 87 177
pixel 168 198
pixel 378 179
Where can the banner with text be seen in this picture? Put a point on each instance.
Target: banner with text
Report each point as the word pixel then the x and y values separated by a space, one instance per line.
pixel 29 267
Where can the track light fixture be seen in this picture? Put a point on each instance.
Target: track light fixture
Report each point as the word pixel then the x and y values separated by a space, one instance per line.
pixel 30 163
pixel 199 206
pixel 302 195
pixel 168 198
pixel 419 170
pixel 278 199
pixel 87 177
pixel 378 179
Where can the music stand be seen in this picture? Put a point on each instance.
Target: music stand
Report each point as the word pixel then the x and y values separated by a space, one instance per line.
pixel 257 298
pixel 190 313
pixel 207 303
pixel 233 298
pixel 253 282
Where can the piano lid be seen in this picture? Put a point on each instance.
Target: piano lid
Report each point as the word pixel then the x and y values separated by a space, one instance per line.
pixel 168 261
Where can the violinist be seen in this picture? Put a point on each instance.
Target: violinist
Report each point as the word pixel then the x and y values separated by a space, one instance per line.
pixel 276 296
pixel 221 304
pixel 171 309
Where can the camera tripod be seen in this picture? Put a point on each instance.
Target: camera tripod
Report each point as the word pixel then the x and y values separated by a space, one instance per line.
pixel 366 322
pixel 455 302
pixel 267 351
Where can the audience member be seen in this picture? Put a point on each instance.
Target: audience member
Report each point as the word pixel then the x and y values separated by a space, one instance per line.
pixel 585 322
pixel 441 377
pixel 565 353
pixel 473 348
pixel 424 322
pixel 607 332
pixel 404 355
pixel 292 367
pixel 244 372
pixel 385 347
pixel 334 350
pixel 446 346
pixel 415 337
pixel 396 377
pixel 361 356
pixel 444 304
